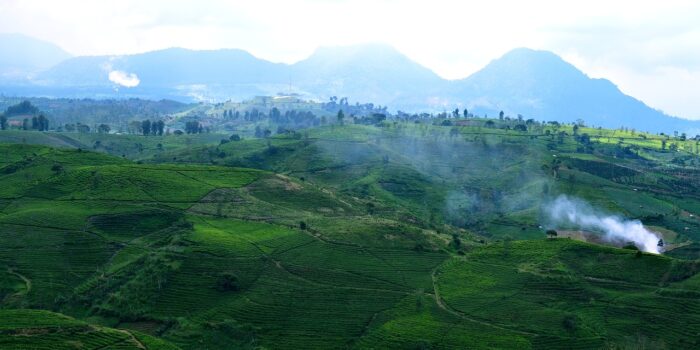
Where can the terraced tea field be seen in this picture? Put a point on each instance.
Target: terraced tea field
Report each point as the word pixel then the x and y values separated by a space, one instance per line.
pixel 400 236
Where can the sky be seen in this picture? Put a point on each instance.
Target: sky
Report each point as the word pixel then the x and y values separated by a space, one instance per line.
pixel 650 49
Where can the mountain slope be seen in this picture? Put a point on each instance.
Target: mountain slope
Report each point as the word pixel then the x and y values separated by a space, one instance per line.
pixel 21 56
pixel 536 84
pixel 374 72
pixel 541 85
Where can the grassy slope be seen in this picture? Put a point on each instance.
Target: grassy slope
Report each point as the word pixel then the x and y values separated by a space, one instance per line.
pixel 38 329
pixel 207 255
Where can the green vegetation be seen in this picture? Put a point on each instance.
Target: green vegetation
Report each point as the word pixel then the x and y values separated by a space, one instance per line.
pixel 399 233
pixel 38 329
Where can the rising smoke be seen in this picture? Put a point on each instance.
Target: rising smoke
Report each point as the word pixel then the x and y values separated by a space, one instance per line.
pixel 124 79
pixel 571 212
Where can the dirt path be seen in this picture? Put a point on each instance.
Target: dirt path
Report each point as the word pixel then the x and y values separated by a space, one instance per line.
pixel 441 304
pixel 27 282
pixel 133 339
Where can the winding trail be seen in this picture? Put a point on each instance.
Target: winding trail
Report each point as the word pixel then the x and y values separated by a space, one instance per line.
pixel 27 282
pixel 441 304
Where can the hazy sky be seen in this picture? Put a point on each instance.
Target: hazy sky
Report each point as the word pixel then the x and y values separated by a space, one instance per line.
pixel 650 49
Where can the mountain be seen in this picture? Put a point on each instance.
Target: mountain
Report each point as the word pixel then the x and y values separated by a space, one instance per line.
pixel 187 73
pixel 374 72
pixel 541 85
pixel 21 56
pixel 535 84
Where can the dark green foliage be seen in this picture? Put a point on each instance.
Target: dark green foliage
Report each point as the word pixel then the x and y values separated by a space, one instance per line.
pixel 23 108
pixel 227 282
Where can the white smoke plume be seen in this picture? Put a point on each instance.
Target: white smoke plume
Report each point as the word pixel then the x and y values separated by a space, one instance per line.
pixel 569 212
pixel 124 79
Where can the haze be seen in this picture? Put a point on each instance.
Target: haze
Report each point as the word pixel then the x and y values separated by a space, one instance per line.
pixel 648 48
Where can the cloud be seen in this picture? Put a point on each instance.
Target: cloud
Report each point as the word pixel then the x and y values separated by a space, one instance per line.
pixel 124 79
pixel 625 41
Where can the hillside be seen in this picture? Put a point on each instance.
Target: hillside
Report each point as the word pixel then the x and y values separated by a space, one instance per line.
pixel 22 57
pixel 396 235
pixel 37 329
pixel 540 84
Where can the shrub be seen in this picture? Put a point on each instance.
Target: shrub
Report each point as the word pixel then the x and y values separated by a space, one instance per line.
pixel 227 282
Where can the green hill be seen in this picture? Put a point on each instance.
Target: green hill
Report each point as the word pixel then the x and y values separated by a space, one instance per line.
pixel 405 235
pixel 38 329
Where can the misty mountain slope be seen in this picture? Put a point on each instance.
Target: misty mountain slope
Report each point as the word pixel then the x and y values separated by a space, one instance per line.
pixel 21 56
pixel 536 84
pixel 541 85
pixel 373 72
pixel 168 68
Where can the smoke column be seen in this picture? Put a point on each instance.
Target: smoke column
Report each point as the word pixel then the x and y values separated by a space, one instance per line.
pixel 575 212
pixel 124 79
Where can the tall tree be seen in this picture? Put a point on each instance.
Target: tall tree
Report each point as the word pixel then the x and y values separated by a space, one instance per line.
pixel 466 113
pixel 3 122
pixel 42 123
pixel 340 117
pixel 146 127
pixel 103 129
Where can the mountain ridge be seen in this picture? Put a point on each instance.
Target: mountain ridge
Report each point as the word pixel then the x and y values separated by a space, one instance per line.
pixel 534 83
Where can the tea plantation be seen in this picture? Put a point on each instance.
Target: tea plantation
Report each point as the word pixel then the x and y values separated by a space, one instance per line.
pixel 403 235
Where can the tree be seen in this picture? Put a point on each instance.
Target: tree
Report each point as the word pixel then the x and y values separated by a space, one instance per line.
pixel 455 113
pixel 340 117
pixel 22 108
pixel 43 123
pixel 465 113
pixel 158 127
pixel 552 233
pixel 82 128
pixel 3 122
pixel 192 127
pixel 227 282
pixel 500 115
pixel 234 137
pixel 456 242
pixel 146 127
pixel 35 123
pixel 25 124
pixel 103 129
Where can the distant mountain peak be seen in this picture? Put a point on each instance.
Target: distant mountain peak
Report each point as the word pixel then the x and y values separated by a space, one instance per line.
pixel 22 55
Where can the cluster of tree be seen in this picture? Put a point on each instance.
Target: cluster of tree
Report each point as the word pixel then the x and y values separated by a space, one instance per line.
pixel 334 105
pixel 23 108
pixel 145 127
pixel 374 119
pixel 155 127
pixel 98 111
pixel 294 119
pixel 81 128
pixel 262 133
pixel 193 127
pixel 40 123
pixel 231 114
